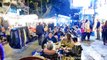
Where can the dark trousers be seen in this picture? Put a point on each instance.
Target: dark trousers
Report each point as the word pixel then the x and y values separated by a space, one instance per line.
pixel 98 34
pixel 104 37
pixel 83 36
pixel 87 34
pixel 40 38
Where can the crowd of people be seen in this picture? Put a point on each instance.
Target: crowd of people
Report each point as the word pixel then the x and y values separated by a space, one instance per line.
pixel 68 37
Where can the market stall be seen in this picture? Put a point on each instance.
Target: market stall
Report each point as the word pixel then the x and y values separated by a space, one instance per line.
pixel 18 29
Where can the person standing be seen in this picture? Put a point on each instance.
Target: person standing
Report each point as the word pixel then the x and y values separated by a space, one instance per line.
pixel 87 29
pixel 82 30
pixel 98 30
pixel 104 33
pixel 40 32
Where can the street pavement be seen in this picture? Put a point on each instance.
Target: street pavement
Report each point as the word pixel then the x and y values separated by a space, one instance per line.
pixel 94 50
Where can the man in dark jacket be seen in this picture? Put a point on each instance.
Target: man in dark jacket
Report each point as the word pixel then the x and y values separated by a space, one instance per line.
pixel 49 38
pixel 98 30
pixel 39 32
pixel 51 26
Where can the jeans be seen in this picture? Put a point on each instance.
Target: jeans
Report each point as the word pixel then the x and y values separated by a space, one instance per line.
pixel 87 34
pixel 40 39
pixel 83 36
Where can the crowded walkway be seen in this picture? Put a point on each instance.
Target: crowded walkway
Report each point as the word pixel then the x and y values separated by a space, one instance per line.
pixel 54 42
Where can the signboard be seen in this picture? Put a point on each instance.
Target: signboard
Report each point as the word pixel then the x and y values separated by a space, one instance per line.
pixel 88 11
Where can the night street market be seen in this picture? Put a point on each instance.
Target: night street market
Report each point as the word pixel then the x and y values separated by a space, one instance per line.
pixel 53 29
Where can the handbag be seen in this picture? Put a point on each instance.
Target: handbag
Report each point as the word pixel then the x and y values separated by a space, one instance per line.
pixel 88 30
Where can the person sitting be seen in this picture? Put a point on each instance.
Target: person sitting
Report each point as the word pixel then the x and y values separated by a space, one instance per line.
pixel 48 52
pixel 55 31
pixel 49 38
pixel 67 44
pixel 58 33
pixel 76 50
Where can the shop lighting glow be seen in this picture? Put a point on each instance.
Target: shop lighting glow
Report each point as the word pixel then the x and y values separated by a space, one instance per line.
pixel 79 3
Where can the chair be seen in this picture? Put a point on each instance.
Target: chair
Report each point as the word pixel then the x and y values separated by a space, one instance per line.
pixel 33 58
pixel 51 57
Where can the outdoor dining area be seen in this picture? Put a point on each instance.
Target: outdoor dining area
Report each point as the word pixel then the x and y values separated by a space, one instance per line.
pixel 68 48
